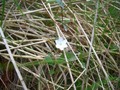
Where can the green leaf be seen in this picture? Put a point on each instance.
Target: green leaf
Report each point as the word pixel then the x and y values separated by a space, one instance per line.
pixel 47 60
pixel 51 72
pixel 66 20
pixel 60 3
pixel 18 6
pixel 78 84
pixel 94 86
pixel 51 1
pixel 114 12
pixel 50 60
pixel 70 56
pixel 65 27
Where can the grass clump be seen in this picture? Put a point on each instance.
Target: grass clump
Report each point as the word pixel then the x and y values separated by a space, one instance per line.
pixel 91 60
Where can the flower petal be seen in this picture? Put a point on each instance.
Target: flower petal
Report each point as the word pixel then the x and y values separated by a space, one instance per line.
pixel 61 43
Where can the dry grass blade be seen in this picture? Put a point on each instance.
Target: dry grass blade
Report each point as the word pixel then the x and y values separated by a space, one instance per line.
pixel 12 60
pixel 91 36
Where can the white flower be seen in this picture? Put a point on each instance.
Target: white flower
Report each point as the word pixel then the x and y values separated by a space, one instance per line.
pixel 61 43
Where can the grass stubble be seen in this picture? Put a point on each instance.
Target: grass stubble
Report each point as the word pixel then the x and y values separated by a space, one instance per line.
pixel 91 61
